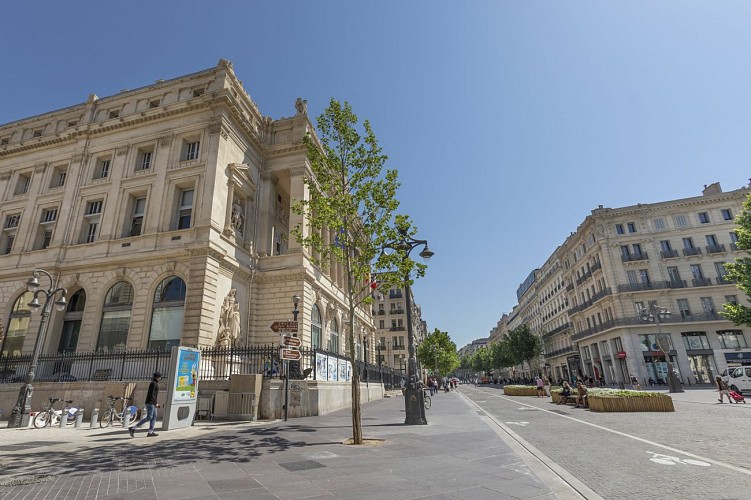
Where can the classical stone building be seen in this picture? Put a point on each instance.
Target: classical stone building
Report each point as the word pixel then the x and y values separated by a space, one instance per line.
pixel 158 209
pixel 590 301
pixel 390 321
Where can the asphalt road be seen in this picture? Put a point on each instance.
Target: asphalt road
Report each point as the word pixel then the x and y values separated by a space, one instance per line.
pixel 701 451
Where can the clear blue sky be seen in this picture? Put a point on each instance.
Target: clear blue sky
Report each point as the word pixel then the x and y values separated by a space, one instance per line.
pixel 508 121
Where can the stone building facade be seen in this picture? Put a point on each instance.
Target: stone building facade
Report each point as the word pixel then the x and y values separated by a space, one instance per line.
pixel 390 321
pixel 590 301
pixel 158 208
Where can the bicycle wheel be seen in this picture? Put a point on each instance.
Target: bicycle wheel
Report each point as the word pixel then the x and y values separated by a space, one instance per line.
pixel 106 419
pixel 41 419
pixel 427 402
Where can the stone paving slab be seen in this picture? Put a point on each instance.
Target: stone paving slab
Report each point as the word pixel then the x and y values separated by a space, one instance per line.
pixel 456 455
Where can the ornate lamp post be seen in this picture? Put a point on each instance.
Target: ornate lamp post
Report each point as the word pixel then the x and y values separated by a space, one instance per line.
pixel 413 397
pixel 654 314
pixel 20 414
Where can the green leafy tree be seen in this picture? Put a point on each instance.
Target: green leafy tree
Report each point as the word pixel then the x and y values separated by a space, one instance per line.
pixel 438 353
pixel 482 360
pixel 523 345
pixel 740 270
pixel 353 201
pixel 501 354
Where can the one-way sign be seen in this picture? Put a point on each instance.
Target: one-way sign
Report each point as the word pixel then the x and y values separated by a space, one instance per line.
pixel 284 326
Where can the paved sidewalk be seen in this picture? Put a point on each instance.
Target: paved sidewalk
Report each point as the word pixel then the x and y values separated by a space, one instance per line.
pixel 455 456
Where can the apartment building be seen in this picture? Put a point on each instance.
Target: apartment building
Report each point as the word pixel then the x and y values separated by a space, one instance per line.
pixel 158 208
pixel 390 320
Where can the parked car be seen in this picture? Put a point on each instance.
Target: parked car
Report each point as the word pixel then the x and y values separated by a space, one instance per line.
pixel 739 379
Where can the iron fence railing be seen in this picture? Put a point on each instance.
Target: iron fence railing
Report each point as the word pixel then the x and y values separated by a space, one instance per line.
pixel 216 364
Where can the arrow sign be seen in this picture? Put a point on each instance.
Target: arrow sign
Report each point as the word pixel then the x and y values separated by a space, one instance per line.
pixel 284 326
pixel 290 354
pixel 293 342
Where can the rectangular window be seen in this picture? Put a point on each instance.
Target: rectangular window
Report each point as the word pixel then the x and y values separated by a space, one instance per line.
pixel 9 239
pixel 58 177
pixel 102 169
pixel 154 103
pixel 711 240
pixel 191 150
pixel 114 113
pixel 46 238
pixel 24 181
pixel 94 207
pixel 733 237
pixel 91 232
pixel 658 223
pixel 703 217
pixel 695 341
pixel 48 215
pixel 726 214
pixel 185 211
pixel 707 304
pixel 719 267
pixel 731 299
pixel 732 339
pixel 198 92
pixel 680 221
pixel 12 221
pixel 144 159
pixel 631 227
pixel 631 275
pixel 644 276
pixel 625 252
pixel 688 243
pixel 619 229
pixel 666 246
pixel 139 208
pixel 381 324
pixel 696 271
pixel 674 275
pixel 637 249
pixel 683 308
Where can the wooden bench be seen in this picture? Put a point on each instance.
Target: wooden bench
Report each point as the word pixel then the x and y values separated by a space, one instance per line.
pixel 102 375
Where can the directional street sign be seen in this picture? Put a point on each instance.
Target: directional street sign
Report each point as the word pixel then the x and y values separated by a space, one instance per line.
pixel 290 354
pixel 292 342
pixel 284 326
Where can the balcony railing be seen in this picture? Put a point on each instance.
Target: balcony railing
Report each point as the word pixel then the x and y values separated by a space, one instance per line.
pixel 396 311
pixel 715 249
pixel 596 267
pixel 559 352
pixel 554 331
pixel 677 284
pixel 688 252
pixel 635 320
pixel 640 287
pixel 669 254
pixel 570 287
pixel 724 280
pixel 395 295
pixel 397 329
pixel 634 257
pixel 701 281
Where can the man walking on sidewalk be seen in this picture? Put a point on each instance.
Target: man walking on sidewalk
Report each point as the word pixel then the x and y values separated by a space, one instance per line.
pixel 151 406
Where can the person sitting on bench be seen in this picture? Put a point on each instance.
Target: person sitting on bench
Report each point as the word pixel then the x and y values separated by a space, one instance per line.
pixel 565 393
pixel 581 395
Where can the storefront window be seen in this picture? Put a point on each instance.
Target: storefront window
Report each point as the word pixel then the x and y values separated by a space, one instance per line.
pixel 695 341
pixel 732 339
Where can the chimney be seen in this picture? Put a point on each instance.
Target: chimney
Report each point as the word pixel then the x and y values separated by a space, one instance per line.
pixel 713 188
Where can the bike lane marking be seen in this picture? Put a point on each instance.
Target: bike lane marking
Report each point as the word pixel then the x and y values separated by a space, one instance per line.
pixel 630 436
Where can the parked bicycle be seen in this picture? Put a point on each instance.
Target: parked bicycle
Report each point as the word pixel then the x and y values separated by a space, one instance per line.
pixel 50 416
pixel 111 414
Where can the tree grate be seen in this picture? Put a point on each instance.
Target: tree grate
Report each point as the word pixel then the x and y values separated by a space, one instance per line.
pixel 302 465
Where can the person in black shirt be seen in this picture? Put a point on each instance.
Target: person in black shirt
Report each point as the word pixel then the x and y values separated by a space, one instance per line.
pixel 151 405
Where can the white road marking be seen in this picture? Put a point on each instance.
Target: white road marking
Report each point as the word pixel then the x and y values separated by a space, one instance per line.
pixel 523 424
pixel 635 438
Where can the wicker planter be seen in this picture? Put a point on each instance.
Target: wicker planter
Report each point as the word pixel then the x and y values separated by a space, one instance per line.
pixel 520 391
pixel 652 403
pixel 555 397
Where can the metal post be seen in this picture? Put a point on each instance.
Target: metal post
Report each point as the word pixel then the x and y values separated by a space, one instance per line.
pixel 286 389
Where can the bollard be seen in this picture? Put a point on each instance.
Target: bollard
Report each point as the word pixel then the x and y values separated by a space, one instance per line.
pixel 63 418
pixel 94 417
pixel 126 417
pixel 79 419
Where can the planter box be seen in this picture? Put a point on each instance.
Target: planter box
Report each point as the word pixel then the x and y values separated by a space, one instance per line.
pixel 520 391
pixel 654 403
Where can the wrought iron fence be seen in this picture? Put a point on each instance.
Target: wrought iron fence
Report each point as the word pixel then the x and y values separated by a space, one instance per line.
pixel 216 364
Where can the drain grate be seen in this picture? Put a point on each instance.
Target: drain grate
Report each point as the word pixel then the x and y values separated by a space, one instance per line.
pixel 302 465
pixel 30 444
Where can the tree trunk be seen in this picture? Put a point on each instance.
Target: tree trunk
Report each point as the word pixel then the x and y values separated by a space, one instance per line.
pixel 356 414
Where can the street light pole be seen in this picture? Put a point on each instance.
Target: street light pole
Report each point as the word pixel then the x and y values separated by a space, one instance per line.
pixel 655 314
pixel 291 366
pixel 20 413
pixel 413 396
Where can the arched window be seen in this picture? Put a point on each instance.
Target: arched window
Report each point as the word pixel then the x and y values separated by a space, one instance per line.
pixel 315 327
pixel 167 316
pixel 113 332
pixel 334 336
pixel 17 325
pixel 72 322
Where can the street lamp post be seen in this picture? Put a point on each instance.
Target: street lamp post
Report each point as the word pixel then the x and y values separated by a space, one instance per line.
pixel 655 314
pixel 413 396
pixel 292 368
pixel 20 413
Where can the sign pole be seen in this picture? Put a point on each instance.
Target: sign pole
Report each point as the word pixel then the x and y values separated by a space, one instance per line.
pixel 286 388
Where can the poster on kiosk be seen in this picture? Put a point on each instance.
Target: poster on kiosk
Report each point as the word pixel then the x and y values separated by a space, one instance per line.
pixel 182 394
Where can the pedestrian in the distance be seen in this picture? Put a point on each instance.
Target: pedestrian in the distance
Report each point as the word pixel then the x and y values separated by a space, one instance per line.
pixel 546 385
pixel 540 390
pixel 151 405
pixel 723 389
